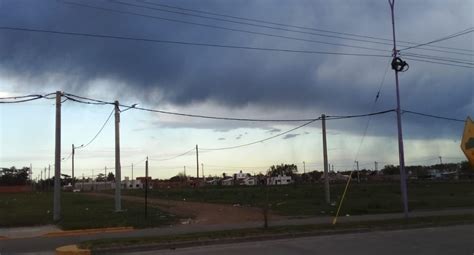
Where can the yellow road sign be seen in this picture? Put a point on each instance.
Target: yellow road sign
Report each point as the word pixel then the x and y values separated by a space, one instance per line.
pixel 467 143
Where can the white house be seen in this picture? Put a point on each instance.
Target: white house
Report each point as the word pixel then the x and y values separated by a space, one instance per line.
pixel 131 184
pixel 279 180
pixel 228 181
pixel 249 181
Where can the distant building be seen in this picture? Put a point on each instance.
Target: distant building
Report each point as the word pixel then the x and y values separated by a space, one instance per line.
pixel 279 180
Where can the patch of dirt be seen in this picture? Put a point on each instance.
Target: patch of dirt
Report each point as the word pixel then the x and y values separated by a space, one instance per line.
pixel 203 213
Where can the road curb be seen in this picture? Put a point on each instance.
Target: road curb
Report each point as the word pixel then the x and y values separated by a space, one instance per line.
pixel 4 238
pixel 88 231
pixel 72 250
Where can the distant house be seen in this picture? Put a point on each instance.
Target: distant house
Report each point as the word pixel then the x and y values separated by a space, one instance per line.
pixel 249 181
pixel 134 184
pixel 279 180
pixel 227 181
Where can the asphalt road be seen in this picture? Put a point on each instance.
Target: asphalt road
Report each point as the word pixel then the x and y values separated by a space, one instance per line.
pixel 49 244
pixel 429 241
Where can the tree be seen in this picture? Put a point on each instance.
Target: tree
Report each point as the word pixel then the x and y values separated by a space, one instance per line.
pixel 13 176
pixel 283 169
pixel 110 177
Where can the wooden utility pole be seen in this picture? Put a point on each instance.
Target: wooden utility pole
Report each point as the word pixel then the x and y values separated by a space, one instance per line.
pixel 118 183
pixel 396 64
pixel 326 165
pixel 57 161
pixel 197 162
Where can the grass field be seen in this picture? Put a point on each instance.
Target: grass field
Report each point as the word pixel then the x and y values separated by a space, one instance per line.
pixel 304 200
pixel 78 211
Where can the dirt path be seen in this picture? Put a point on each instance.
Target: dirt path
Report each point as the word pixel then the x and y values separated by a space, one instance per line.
pixel 202 213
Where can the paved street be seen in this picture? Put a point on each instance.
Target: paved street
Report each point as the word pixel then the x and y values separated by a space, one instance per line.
pixel 48 244
pixel 429 241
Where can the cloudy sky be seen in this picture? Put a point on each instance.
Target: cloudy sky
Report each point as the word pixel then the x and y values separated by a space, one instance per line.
pixel 231 82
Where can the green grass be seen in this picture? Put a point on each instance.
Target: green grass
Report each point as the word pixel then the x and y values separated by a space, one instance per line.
pixel 79 211
pixel 281 230
pixel 305 200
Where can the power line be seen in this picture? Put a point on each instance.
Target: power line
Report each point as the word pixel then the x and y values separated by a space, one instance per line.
pixel 57 32
pixel 437 62
pixel 335 117
pixel 463 32
pixel 432 116
pixel 275 28
pixel 98 133
pixel 440 58
pixel 22 99
pixel 177 156
pixel 262 140
pixel 187 114
pixel 219 27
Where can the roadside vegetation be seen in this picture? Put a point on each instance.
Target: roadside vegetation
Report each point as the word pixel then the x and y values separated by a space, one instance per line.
pixel 308 199
pixel 79 211
pixel 215 237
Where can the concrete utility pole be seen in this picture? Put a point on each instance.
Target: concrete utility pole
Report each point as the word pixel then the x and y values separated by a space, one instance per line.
pixel 358 176
pixel 57 161
pixel 105 178
pixel 132 172
pixel 304 167
pixel 72 167
pixel 375 166
pixel 326 164
pixel 118 201
pixel 184 171
pixel 202 172
pixel 146 187
pixel 397 63
pixel 197 161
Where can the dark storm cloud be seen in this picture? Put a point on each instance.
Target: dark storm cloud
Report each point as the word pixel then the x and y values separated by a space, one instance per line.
pixel 289 136
pixel 186 75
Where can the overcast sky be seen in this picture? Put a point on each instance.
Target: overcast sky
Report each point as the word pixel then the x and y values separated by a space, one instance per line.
pixel 232 82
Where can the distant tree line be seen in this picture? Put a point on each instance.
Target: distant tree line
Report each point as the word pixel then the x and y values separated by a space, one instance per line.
pixel 13 176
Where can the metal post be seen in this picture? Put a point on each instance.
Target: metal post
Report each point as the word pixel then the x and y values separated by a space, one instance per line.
pixel 403 179
pixel 57 161
pixel 440 160
pixel 197 162
pixel 146 187
pixel 358 175
pixel 326 166
pixel 72 168
pixel 118 202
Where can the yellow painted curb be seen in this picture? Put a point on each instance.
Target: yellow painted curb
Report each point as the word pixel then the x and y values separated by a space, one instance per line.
pixel 72 250
pixel 88 231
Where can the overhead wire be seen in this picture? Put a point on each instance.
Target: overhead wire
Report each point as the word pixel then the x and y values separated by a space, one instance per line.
pixel 91 35
pixel 293 26
pixel 432 116
pixel 98 133
pixel 221 27
pixel 457 34
pixel 268 27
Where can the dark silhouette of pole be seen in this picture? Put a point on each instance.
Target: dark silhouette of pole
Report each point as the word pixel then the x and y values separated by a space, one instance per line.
pixel 72 168
pixel 57 161
pixel 326 165
pixel 118 184
pixel 197 162
pixel 358 175
pixel 146 188
pixel 403 179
